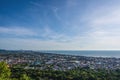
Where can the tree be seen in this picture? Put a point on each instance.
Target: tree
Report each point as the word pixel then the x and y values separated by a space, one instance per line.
pixel 25 77
pixel 4 71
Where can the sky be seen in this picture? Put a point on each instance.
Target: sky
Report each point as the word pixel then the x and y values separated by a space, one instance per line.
pixel 60 24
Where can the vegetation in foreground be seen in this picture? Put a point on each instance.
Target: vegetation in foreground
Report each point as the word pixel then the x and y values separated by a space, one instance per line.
pixel 7 73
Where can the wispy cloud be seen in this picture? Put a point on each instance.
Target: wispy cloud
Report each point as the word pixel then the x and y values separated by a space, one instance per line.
pixel 55 10
pixel 52 35
pixel 36 44
pixel 71 3
pixel 18 31
pixel 36 4
pixel 45 33
pixel 104 28
pixel 95 25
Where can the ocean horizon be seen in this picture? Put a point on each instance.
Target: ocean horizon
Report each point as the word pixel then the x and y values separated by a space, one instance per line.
pixel 89 53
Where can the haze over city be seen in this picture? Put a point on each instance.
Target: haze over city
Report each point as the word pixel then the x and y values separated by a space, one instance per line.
pixel 60 24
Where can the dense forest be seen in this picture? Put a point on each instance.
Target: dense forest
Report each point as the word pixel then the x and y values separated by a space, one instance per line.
pixel 7 73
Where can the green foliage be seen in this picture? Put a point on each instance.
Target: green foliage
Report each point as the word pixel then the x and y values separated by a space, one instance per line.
pixel 24 77
pixel 5 73
pixel 4 70
pixel 75 74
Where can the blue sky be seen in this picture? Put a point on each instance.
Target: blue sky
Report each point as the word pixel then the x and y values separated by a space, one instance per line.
pixel 60 24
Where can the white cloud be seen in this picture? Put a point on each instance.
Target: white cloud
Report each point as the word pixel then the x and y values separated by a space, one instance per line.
pixel 17 31
pixel 45 33
pixel 36 44
pixel 110 18
pixel 50 34
pixel 104 28
pixel 103 24
pixel 55 10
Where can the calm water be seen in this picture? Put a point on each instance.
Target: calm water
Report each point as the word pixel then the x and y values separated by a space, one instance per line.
pixel 89 53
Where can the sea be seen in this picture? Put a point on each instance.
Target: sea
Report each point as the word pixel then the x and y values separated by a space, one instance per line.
pixel 88 53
